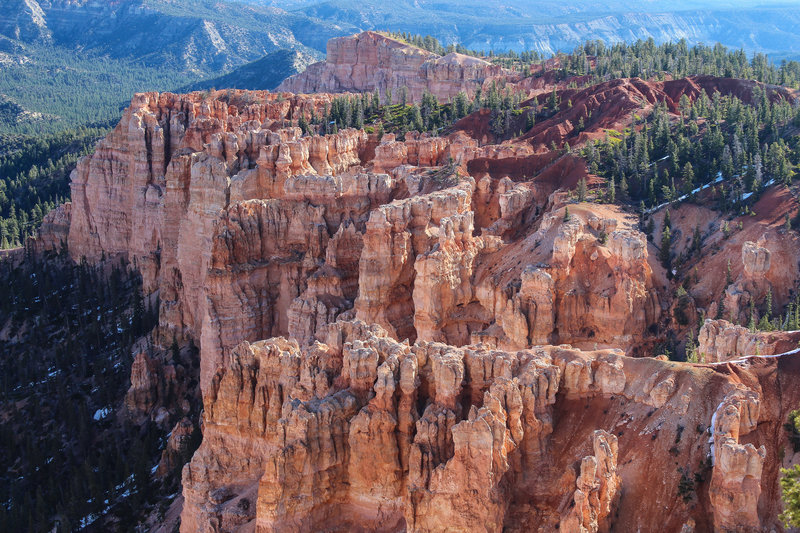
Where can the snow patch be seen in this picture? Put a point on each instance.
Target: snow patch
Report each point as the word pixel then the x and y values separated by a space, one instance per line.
pixel 100 414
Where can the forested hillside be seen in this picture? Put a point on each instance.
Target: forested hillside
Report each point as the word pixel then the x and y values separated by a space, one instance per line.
pixel 35 178
pixel 67 451
pixel 67 64
pixel 263 74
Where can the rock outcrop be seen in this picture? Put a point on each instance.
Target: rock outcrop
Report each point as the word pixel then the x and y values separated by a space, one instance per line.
pixel 577 279
pixel 371 61
pixel 363 431
pixel 719 340
pixel 147 386
pixel 736 479
pixel 392 442
pixel 248 230
pixel 598 487
pixel 53 233
pixel 179 447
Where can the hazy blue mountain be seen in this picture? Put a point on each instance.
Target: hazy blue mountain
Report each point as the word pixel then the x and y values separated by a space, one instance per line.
pixel 548 26
pixel 201 37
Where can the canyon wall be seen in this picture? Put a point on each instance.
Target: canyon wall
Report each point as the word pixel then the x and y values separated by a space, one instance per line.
pixel 362 431
pixel 426 333
pixel 248 229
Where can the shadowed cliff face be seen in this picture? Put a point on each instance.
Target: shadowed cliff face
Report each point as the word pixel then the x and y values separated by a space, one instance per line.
pixel 429 334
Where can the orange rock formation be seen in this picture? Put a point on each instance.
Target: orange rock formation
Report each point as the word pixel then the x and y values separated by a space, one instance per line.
pixel 441 354
pixel 371 61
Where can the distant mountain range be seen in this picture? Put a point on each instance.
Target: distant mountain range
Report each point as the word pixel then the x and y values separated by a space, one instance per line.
pixel 200 37
pixel 78 61
pixel 549 26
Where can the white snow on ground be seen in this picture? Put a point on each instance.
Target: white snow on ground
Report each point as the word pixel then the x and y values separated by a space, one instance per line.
pixel 685 196
pixel 746 358
pixel 658 161
pixel 745 196
pixel 87 520
pixel 102 413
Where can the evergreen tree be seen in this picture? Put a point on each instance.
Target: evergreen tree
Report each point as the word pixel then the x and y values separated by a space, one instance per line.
pixel 581 190
pixel 666 249
pixel 611 191
pixel 553 101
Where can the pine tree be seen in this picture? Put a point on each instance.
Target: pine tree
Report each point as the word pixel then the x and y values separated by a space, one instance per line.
pixel 581 190
pixel 303 124
pixel 460 105
pixel 416 119
pixel 376 101
pixel 721 309
pixel 696 240
pixel 666 249
pixel 553 101
pixel 358 121
pixel 727 163
pixel 790 493
pixel 611 192
pixel 529 120
pixel 768 304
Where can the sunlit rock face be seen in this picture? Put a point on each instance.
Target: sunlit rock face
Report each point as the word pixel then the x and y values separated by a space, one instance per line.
pixel 371 61
pixel 428 333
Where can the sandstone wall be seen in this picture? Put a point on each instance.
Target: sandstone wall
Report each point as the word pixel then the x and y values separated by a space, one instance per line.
pixel 371 61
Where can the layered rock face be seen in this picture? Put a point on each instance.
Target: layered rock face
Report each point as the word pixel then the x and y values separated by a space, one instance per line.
pixel 249 230
pixel 362 431
pixel 736 480
pixel 580 278
pixel 53 234
pixel 423 334
pixel 597 487
pixel 719 340
pixel 371 61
